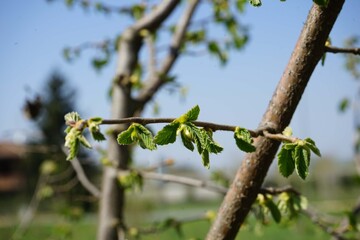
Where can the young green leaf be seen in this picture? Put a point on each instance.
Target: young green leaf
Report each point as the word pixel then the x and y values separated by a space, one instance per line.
pixel 323 58
pixel 190 116
pixel 286 163
pixel 167 134
pixel 209 143
pixel 287 132
pixel 94 129
pixel 214 49
pixel 289 146
pixel 205 158
pixel 73 148
pixel 302 161
pixel 187 141
pixel 145 137
pixel 255 3
pixel 311 144
pixel 244 140
pixel 130 180
pixel 97 136
pixel 84 141
pixel 274 210
pixel 72 142
pixel 125 137
pixel 72 117
pixel 95 121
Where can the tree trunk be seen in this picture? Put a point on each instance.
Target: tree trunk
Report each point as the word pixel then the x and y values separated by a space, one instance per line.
pixel 111 221
pixel 249 178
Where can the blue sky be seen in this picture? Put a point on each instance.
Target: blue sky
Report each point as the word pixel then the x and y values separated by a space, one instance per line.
pixel 33 34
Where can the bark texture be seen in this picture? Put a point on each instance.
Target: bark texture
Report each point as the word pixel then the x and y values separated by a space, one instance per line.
pixel 111 220
pixel 254 167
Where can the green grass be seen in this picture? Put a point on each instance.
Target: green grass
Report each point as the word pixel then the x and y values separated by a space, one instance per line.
pixel 53 228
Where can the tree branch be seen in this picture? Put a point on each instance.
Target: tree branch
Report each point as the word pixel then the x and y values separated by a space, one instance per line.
pixel 209 125
pixel 314 217
pixel 332 49
pixel 83 178
pixel 154 83
pixel 85 182
pixel 152 21
pixel 152 62
pixel 171 223
pixel 249 178
pixel 185 181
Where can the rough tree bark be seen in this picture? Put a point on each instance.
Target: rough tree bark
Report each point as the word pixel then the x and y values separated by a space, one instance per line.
pixel 111 221
pixel 254 167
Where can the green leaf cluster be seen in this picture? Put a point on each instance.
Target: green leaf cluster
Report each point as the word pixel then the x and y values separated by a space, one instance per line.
pixel 214 48
pixel 290 204
pixel 265 201
pixel 191 135
pixel 258 3
pixel 286 204
pixel 244 140
pixel 296 156
pixel 137 133
pixel 137 11
pixel 74 132
pixel 130 180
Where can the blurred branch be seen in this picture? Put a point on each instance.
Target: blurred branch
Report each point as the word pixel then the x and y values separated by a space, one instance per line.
pixel 185 181
pixel 171 223
pixel 152 21
pixel 31 209
pixel 61 176
pixel 83 178
pixel 152 55
pixel 100 6
pixel 333 49
pixel 154 83
pixel 316 219
pixel 66 186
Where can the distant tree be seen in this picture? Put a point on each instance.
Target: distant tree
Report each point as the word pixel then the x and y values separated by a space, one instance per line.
pixel 58 98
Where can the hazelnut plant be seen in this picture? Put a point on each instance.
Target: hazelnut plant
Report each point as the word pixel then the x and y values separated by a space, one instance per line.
pixel 294 154
pixel 135 85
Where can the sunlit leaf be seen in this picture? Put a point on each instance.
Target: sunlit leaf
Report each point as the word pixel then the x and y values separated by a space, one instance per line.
pixel 167 134
pixel 302 161
pixel 286 163
pixel 244 140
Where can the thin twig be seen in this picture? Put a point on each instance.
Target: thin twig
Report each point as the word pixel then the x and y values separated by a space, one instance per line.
pixel 83 178
pixel 314 217
pixel 61 176
pixel 333 49
pixel 209 125
pixel 185 181
pixel 31 209
pixel 280 137
pixel 171 223
pixel 66 186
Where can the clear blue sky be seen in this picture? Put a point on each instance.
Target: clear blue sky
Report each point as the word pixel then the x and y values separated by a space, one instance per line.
pixel 33 34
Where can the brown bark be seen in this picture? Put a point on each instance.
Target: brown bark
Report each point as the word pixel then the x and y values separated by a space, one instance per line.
pixel 111 220
pixel 254 167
